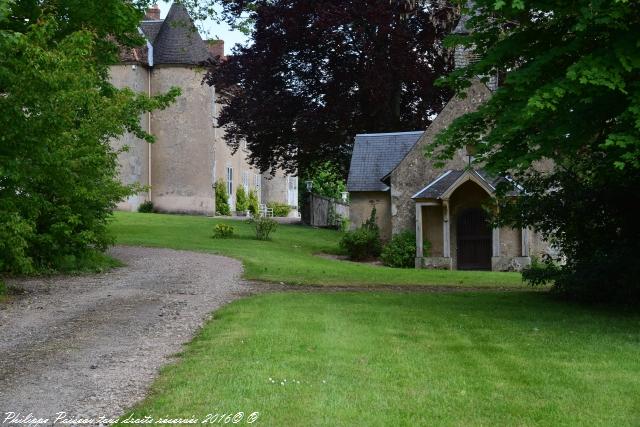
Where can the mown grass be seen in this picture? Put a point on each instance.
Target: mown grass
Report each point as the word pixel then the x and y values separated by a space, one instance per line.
pixel 408 359
pixel 289 257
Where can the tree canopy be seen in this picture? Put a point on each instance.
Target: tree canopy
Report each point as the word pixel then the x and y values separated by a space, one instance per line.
pixel 320 71
pixel 58 112
pixel 570 97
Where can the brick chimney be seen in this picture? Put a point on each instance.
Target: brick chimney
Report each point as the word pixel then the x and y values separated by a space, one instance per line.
pixel 153 13
pixel 216 48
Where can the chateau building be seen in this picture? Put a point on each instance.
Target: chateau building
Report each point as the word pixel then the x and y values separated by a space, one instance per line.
pixel 189 154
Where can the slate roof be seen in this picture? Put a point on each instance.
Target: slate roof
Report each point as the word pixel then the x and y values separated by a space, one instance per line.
pixel 436 188
pixel 151 29
pixel 178 40
pixel 461 27
pixel 175 41
pixel 375 155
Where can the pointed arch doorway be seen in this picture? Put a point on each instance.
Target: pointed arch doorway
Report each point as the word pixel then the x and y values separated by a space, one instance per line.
pixel 474 247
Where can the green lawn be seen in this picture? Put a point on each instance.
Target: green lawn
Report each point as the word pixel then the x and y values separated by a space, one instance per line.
pixel 463 359
pixel 289 257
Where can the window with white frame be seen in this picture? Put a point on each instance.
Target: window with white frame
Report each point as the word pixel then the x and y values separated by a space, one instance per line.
pixel 245 181
pixel 292 196
pixel 257 179
pixel 229 181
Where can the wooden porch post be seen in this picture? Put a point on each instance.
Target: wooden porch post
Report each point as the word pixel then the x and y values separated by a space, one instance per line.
pixel 496 242
pixel 419 243
pixel 525 242
pixel 446 230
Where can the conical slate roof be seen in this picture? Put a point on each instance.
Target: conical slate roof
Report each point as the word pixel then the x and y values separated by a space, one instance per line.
pixel 178 40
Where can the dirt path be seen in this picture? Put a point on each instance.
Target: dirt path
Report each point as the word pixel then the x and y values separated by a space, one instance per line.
pixel 90 346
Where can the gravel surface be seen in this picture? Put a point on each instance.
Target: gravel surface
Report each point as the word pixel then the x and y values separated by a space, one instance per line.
pixel 91 345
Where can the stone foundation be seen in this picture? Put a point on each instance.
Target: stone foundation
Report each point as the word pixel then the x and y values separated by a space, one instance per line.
pixel 505 263
pixel 437 263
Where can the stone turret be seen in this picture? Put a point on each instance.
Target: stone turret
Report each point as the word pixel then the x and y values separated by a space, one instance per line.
pixel 463 56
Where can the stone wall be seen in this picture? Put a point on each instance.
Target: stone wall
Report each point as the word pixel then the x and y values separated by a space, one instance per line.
pixel 275 188
pixel 415 171
pixel 134 163
pixel 182 157
pixel 362 202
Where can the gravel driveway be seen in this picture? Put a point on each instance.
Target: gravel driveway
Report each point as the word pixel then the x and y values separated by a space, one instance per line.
pixel 91 345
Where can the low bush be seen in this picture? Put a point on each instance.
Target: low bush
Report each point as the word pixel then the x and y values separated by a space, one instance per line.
pixel 400 252
pixel 242 203
pixel 223 231
pixel 344 224
pixel 364 242
pixel 222 198
pixel 279 209
pixel 541 272
pixel 146 207
pixel 3 288
pixel 361 244
pixel 264 227
pixel 253 205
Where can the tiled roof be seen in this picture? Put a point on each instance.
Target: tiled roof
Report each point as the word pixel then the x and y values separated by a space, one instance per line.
pixel 375 155
pixel 461 27
pixel 439 186
pixel 151 29
pixel 178 40
pixel 175 39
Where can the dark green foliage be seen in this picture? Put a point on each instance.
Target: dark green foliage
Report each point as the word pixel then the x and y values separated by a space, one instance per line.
pixel 253 205
pixel 242 203
pixel 3 288
pixel 400 251
pixel 222 198
pixel 372 222
pixel 332 69
pixel 327 179
pixel 361 244
pixel 279 209
pixel 223 231
pixel 344 224
pixel 58 112
pixel 146 207
pixel 264 227
pixel 541 273
pixel 364 242
pixel 570 94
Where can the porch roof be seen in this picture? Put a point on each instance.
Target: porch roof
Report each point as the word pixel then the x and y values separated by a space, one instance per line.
pixel 440 186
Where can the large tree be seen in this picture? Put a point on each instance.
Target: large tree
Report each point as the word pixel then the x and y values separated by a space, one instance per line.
pixel 58 112
pixel 320 71
pixel 570 97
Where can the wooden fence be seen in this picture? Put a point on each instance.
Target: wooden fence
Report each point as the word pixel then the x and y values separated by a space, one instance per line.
pixel 320 211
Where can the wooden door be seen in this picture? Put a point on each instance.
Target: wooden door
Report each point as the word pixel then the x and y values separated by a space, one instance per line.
pixel 474 240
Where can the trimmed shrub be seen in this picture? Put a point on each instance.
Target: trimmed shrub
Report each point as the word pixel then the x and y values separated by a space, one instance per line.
pixel 222 198
pixel 223 231
pixel 279 209
pixel 242 203
pixel 364 242
pixel 344 224
pixel 253 206
pixel 400 252
pixel 264 227
pixel 146 207
pixel 361 244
